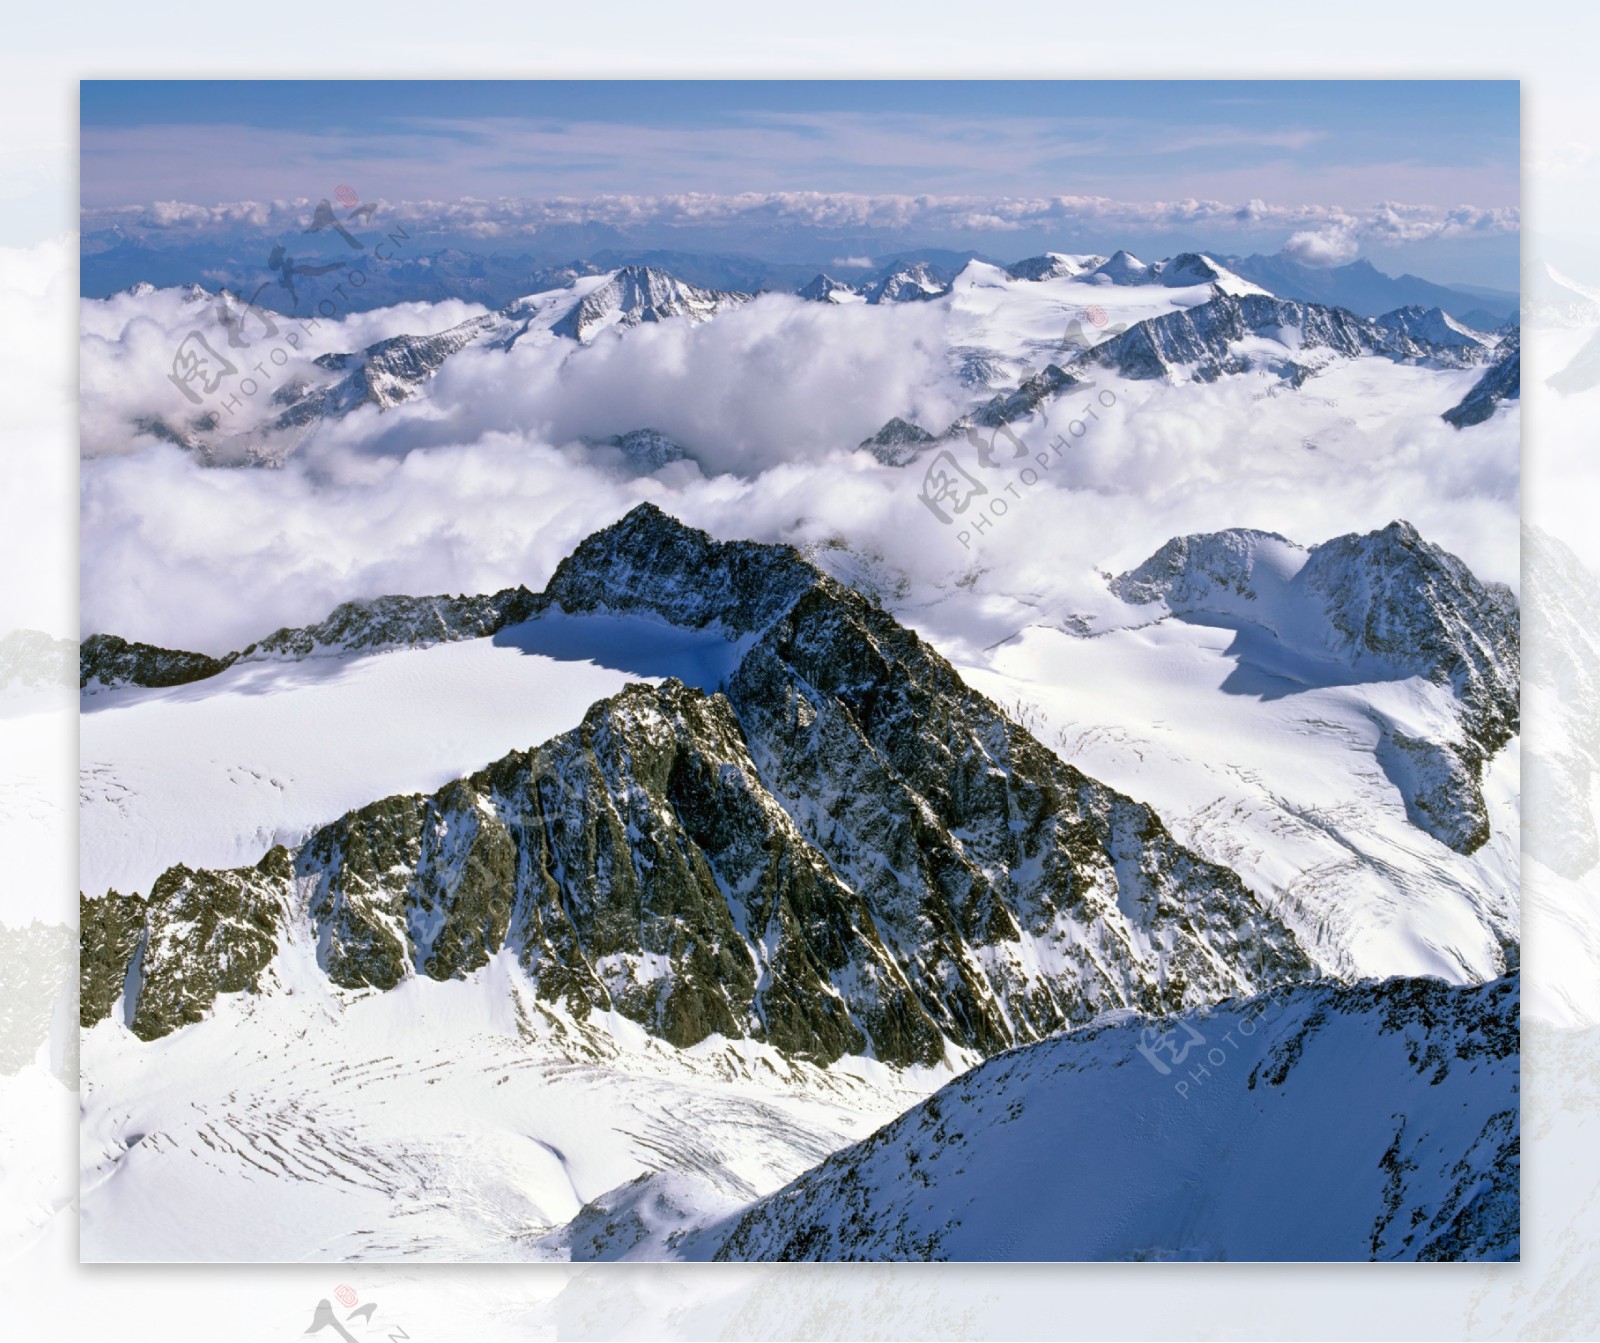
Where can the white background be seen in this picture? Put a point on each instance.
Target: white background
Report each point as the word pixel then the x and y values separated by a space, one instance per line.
pixel 1553 49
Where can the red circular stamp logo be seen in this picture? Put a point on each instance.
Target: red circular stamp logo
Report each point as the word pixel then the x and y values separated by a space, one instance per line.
pixel 345 195
pixel 1096 315
pixel 345 1293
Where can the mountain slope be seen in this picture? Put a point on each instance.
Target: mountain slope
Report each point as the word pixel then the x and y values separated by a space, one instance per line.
pixel 638 294
pixel 1501 381
pixel 1378 1121
pixel 1206 340
pixel 848 851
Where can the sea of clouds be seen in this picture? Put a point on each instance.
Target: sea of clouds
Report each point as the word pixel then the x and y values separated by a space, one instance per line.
pixel 488 480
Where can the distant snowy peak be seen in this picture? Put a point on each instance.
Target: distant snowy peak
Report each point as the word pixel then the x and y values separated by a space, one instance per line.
pixel 1055 266
pixel 1122 268
pixel 1384 604
pixel 1191 1138
pixel 1433 326
pixel 908 284
pixel 825 289
pixel 637 294
pixel 1204 342
pixel 644 450
pixel 898 442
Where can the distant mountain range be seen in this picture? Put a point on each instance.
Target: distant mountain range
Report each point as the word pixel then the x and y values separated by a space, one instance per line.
pixel 111 262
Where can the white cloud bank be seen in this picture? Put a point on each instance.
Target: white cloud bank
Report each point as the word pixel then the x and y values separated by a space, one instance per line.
pixel 485 482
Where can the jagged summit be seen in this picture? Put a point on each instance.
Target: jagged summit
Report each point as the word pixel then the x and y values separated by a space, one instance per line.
pixel 649 562
pixel 1054 266
pixel 638 294
pixel 1388 604
pixel 1434 326
pixel 898 442
pixel 1203 341
pixel 912 283
pixel 843 849
pixel 825 289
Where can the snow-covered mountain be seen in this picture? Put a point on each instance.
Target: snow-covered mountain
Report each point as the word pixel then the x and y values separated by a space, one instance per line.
pixel 638 294
pixel 1231 334
pixel 1374 1122
pixel 851 851
pixel 1183 318
pixel 1384 606
pixel 792 886
pixel 1055 266
pixel 898 442
pixel 1435 327
pixel 911 283
pixel 1362 288
pixel 825 289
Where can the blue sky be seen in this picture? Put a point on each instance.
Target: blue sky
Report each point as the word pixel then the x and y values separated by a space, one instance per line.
pixel 1307 146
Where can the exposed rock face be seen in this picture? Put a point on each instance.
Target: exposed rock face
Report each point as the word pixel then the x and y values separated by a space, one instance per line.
pixel 825 289
pixel 1201 338
pixel 1029 396
pixel 199 934
pixel 387 373
pixel 898 442
pixel 1434 326
pixel 1388 602
pixel 1501 382
pixel 1046 1151
pixel 395 622
pixel 909 284
pixel 638 294
pixel 1052 266
pixel 848 851
pixel 105 661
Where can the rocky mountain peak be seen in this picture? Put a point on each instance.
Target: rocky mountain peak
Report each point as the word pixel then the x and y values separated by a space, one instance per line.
pixel 1385 604
pixel 636 294
pixel 651 563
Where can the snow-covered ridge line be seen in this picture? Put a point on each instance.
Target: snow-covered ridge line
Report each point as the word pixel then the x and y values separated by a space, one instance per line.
pixel 1375 1121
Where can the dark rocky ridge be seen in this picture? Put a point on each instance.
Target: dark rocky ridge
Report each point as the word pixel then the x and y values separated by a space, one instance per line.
pixel 107 660
pixel 1501 382
pixel 845 850
pixel 1427 1160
